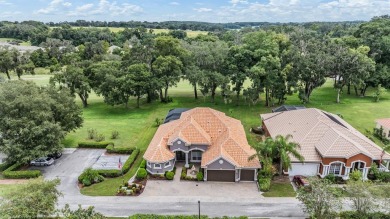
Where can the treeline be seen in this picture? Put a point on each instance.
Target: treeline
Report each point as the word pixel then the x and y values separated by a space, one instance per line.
pixel 278 62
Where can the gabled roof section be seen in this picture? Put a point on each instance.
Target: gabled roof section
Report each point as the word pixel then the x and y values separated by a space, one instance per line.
pixel 287 108
pixel 224 135
pixel 321 134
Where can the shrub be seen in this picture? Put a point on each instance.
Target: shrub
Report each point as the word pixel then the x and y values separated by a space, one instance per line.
pixel 331 178
pixel 199 176
pixel 374 170
pixel 100 137
pixel 143 164
pixel 183 174
pixel 384 176
pixel 110 173
pixel 12 173
pixel 356 175
pixel 264 184
pixel 119 150
pixel 169 175
pixel 91 144
pixel 86 182
pixel 91 134
pixel 141 174
pixel 92 175
pixel 4 166
pixel 130 161
pixel 359 215
pixel 157 121
pixel 114 134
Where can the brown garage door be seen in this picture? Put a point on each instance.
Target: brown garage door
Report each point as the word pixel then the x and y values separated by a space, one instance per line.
pixel 247 175
pixel 221 175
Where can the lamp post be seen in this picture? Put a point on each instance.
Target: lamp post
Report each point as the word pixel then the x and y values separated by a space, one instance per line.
pixel 198 209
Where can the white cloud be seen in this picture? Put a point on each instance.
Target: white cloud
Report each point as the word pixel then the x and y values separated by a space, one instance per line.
pixel 3 2
pixel 203 9
pixel 236 2
pixel 105 7
pixel 174 3
pixel 10 14
pixel 54 6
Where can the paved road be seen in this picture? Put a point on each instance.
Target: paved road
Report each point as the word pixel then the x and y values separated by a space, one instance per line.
pixel 69 167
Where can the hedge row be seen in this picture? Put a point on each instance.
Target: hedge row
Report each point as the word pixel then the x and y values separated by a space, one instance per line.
pixel 154 216
pixel 4 166
pixel 130 161
pixel 93 144
pixel 110 173
pixel 119 150
pixel 12 173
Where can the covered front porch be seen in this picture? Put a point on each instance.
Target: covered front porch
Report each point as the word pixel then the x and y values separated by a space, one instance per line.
pixel 340 169
pixel 193 156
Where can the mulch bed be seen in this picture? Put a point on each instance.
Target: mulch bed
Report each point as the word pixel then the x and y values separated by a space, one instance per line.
pixel 138 183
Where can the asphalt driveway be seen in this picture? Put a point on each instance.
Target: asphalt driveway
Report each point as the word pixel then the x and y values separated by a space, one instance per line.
pixel 70 166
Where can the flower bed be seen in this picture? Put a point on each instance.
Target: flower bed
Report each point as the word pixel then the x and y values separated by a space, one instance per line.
pixel 133 189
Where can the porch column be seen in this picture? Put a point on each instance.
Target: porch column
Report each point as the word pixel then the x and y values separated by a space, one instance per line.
pixel 347 171
pixel 205 175
pixel 365 171
pixel 187 165
pixel 387 164
pixel 325 170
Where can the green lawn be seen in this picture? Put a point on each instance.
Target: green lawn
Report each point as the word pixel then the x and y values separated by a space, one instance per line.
pixel 5 188
pixel 136 126
pixel 24 43
pixel 280 189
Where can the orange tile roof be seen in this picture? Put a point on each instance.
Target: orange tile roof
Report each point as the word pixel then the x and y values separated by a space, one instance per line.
pixel 384 122
pixel 224 135
pixel 321 134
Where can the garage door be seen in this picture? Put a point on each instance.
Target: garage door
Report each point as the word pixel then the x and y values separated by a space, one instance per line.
pixel 221 175
pixel 247 175
pixel 305 169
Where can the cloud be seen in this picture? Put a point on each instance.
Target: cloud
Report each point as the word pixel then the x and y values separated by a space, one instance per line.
pixel 105 7
pixel 236 2
pixel 54 6
pixel 10 14
pixel 3 2
pixel 174 3
pixel 203 9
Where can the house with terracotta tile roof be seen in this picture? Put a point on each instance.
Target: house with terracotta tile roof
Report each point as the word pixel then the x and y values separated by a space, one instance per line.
pixel 385 125
pixel 207 137
pixel 328 143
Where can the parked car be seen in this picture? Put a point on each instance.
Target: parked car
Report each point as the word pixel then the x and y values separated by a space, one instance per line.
pixel 55 155
pixel 43 161
pixel 300 181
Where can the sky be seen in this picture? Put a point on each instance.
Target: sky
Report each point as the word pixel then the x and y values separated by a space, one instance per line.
pixel 216 11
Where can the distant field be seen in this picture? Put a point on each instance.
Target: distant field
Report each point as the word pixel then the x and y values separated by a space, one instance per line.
pixel 11 39
pixel 190 33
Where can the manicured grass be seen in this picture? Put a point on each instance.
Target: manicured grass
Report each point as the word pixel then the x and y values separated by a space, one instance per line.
pixel 24 43
pixel 280 189
pixel 136 126
pixel 6 188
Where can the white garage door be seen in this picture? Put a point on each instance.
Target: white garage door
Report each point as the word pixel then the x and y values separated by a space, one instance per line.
pixel 305 169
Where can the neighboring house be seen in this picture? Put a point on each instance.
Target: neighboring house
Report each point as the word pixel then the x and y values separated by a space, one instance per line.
pixel 385 124
pixel 287 108
pixel 328 143
pixel 205 136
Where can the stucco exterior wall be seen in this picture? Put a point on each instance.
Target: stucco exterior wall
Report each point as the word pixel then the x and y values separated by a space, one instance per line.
pixel 152 170
pixel 216 165
pixel 176 146
pixel 348 162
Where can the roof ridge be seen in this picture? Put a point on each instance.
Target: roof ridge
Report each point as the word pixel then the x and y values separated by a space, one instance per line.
pixel 354 143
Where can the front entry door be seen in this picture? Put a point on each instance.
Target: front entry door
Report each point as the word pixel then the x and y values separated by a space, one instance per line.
pixel 180 156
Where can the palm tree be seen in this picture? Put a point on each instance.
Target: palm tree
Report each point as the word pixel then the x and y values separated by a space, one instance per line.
pixel 283 148
pixel 264 152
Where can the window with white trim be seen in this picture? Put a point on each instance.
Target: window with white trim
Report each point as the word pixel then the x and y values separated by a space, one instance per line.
pixel 149 164
pixel 335 168
pixel 157 166
pixel 196 155
pixel 167 164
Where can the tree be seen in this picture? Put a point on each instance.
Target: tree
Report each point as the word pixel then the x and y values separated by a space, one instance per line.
pixel 37 198
pixel 264 152
pixel 140 77
pixel 168 69
pixel 34 120
pixel 361 193
pixel 284 148
pixel 8 60
pixel 379 92
pixel 320 201
pixel 81 213
pixel 210 81
pixel 74 78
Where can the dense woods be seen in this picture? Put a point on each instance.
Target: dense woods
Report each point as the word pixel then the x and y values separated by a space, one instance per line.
pixel 277 59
